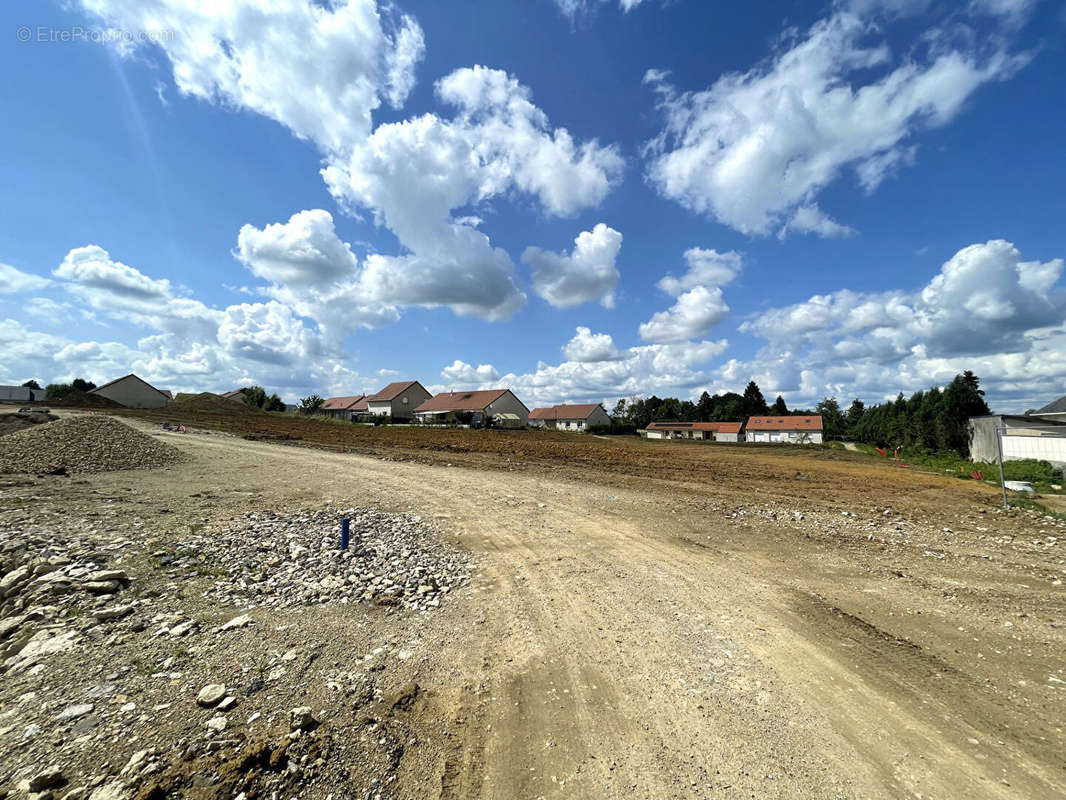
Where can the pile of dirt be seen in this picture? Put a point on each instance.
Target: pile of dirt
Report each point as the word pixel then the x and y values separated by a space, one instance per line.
pixel 84 400
pixel 205 402
pixel 83 444
pixel 15 422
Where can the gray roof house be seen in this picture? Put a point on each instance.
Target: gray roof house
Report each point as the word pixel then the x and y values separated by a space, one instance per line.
pixel 1054 411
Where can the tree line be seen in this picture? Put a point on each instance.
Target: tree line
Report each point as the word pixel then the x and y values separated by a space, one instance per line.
pixel 726 407
pixel 928 421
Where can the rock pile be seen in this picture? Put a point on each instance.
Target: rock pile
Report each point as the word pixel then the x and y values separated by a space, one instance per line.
pixel 83 444
pixel 13 423
pixel 40 583
pixel 295 559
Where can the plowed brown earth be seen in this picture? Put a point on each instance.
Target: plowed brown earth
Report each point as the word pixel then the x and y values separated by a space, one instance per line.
pixel 673 620
pixel 834 476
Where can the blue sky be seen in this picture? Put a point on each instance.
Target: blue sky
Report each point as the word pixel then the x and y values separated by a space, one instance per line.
pixel 579 200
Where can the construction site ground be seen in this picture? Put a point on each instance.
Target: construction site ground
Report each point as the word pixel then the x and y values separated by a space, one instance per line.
pixel 645 619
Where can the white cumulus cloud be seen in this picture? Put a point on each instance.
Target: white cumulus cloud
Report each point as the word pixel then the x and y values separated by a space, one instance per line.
pixel 700 304
pixel 695 312
pixel 756 148
pixel 987 309
pixel 320 69
pixel 13 281
pixel 461 374
pixel 585 274
pixel 414 175
pixel 589 348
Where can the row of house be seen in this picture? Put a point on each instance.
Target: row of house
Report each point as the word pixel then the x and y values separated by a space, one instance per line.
pixel 410 401
pixel 793 429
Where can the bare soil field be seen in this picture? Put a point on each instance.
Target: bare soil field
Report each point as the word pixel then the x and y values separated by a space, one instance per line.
pixel 642 620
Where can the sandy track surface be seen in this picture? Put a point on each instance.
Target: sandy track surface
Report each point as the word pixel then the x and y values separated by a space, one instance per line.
pixel 628 644
pixel 638 639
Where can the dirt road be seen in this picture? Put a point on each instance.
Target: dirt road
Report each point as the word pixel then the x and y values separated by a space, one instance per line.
pixel 650 639
pixel 641 643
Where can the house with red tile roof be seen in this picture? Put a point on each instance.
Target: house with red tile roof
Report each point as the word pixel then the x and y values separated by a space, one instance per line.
pixel 569 417
pixel 398 400
pixel 340 407
pixel 796 428
pixel 718 431
pixel 475 408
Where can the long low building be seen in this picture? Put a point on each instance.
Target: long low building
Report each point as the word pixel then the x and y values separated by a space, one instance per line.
pixel 20 394
pixel 569 418
pixel 718 431
pixel 793 429
pixel 1023 437
pixel 340 407
pixel 474 408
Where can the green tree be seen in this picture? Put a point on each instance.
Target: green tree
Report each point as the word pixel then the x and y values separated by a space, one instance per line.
pixel 754 402
pixel 254 396
pixel 309 405
pixel 832 418
pixel 619 413
pixel 57 391
pixel 669 409
pixel 705 407
pixel 731 408
pixel 274 403
pixel 779 409
pixel 31 384
pixel 854 417
pixel 963 398
pixel 81 385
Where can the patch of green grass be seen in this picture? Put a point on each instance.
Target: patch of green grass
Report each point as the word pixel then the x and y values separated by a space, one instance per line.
pixel 1042 475
pixel 834 445
pixel 1033 505
pixel 211 572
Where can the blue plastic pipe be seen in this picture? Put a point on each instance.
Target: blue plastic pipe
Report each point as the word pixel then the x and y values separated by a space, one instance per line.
pixel 344 533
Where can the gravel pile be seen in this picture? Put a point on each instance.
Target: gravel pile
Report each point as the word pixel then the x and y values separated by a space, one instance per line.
pixel 83 444
pixel 295 559
pixel 18 421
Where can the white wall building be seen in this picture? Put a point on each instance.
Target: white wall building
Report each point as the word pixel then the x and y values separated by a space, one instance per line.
pixel 700 431
pixel 1025 437
pixel 576 418
pixel 793 429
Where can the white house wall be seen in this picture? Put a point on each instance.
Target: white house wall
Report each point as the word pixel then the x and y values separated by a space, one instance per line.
pixel 1042 448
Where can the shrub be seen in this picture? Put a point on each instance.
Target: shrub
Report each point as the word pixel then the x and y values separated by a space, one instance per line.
pixel 614 429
